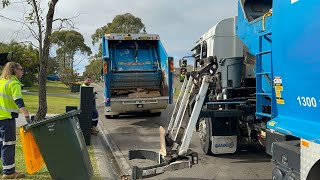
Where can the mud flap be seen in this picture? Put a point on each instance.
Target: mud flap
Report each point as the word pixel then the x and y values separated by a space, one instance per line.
pixel 163 147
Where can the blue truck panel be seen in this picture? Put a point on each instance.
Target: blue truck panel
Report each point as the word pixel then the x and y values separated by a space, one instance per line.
pixel 167 71
pixel 106 69
pixel 253 29
pixel 296 61
pixel 133 56
pixel 249 32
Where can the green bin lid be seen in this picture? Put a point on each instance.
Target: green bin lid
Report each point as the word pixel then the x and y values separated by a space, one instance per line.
pixel 54 118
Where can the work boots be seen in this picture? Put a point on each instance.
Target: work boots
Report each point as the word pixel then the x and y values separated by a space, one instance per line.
pixel 14 175
pixel 94 131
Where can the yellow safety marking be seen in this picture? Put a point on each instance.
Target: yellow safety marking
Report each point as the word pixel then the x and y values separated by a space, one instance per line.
pixel 278 87
pixel 144 38
pixel 272 123
pixel 128 38
pixel 305 143
pixel 280 100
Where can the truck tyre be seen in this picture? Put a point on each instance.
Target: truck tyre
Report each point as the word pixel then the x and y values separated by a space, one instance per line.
pixel 112 116
pixel 205 132
pixel 277 174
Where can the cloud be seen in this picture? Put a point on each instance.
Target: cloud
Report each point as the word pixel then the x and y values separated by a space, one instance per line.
pixel 180 23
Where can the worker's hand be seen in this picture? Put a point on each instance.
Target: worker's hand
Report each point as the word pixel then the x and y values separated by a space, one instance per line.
pixel 29 121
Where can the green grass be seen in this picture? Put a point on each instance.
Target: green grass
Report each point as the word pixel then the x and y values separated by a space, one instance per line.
pixel 96 174
pixel 52 87
pixel 56 105
pixel 43 172
pixel 20 165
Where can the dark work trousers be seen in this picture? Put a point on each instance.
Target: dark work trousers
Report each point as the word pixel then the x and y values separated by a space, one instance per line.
pixel 95 114
pixel 8 145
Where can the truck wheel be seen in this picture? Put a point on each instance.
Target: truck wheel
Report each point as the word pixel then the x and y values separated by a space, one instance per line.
pixel 112 116
pixel 277 174
pixel 205 132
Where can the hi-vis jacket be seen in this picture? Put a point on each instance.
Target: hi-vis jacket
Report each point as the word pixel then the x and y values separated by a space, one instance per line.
pixel 10 90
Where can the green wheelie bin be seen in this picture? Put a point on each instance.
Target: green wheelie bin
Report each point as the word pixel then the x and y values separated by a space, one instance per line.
pixel 62 146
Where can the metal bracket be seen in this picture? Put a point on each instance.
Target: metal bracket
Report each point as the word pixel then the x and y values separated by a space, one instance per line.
pixel 164 163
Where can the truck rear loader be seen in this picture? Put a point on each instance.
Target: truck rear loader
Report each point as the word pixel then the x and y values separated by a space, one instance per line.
pixel 137 74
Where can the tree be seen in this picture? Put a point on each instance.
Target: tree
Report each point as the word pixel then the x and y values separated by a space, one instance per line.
pixel 94 68
pixel 27 56
pixel 42 35
pixel 69 43
pixel 124 23
pixel 54 65
pixel 68 75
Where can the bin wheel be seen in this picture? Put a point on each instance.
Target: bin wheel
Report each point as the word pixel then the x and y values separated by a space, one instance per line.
pixel 205 132
pixel 112 116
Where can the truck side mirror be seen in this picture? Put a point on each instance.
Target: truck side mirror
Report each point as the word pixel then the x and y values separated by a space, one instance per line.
pixel 183 62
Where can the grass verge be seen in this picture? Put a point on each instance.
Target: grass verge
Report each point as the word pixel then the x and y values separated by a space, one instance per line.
pixel 52 87
pixel 56 105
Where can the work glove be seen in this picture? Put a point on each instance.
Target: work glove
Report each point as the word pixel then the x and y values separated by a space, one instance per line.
pixel 28 119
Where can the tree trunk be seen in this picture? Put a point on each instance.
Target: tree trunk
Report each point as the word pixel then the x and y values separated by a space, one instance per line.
pixel 64 60
pixel 42 111
pixel 44 54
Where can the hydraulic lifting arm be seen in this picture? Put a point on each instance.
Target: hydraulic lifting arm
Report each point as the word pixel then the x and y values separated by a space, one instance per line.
pixel 174 142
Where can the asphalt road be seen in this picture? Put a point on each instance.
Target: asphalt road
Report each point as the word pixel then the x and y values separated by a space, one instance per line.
pixel 142 132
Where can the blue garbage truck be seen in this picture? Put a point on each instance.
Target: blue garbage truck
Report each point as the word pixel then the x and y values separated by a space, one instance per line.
pixel 137 74
pixel 283 36
pixel 280 109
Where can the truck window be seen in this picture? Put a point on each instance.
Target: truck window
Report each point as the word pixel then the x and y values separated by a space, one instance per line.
pixel 204 49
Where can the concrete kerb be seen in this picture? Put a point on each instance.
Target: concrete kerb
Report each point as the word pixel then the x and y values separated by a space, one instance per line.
pixel 118 155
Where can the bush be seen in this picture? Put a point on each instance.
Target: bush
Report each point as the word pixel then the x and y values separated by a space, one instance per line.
pixel 28 79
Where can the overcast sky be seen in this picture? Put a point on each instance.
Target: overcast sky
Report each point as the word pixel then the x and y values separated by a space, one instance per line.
pixel 180 23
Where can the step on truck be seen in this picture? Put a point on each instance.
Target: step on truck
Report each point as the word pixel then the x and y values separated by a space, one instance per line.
pixel 137 74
